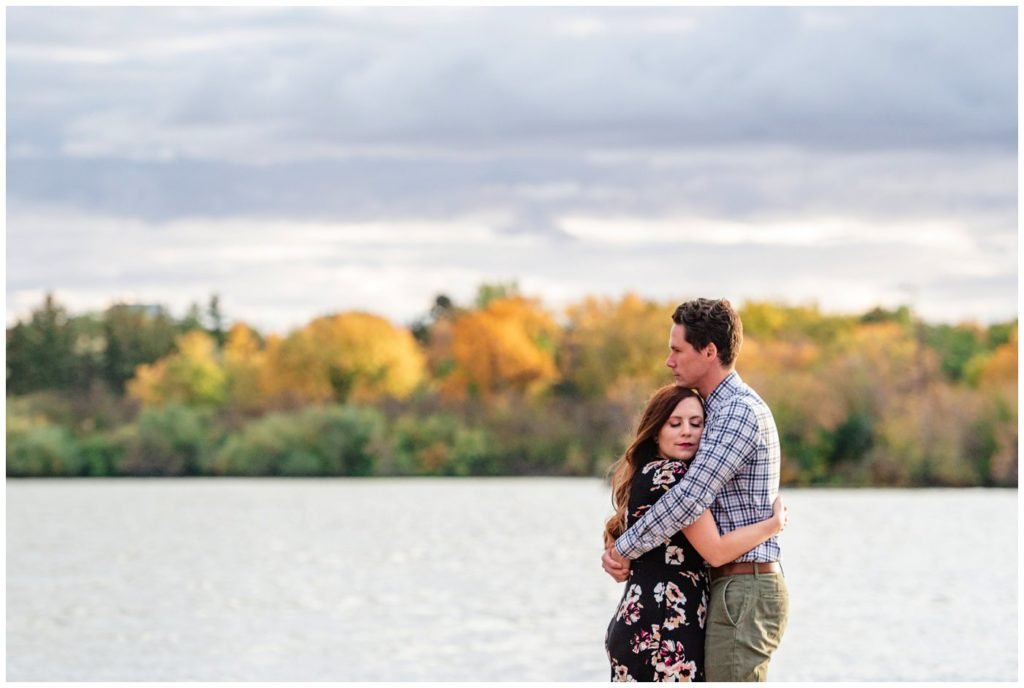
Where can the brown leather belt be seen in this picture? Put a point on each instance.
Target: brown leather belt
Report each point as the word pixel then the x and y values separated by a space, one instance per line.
pixel 740 568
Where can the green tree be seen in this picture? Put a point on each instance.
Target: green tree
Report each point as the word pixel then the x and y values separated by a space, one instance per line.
pixel 193 319
pixel 134 335
pixel 442 310
pixel 488 292
pixel 41 352
pixel 956 346
pixel 216 321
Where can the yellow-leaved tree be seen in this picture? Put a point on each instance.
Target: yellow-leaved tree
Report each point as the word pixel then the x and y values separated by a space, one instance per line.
pixel 244 364
pixel 998 371
pixel 347 356
pixel 615 345
pixel 192 375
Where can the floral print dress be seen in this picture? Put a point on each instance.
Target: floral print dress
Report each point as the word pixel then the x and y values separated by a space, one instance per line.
pixel 657 633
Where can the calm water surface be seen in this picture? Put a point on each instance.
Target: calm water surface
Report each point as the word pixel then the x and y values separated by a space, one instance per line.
pixel 462 579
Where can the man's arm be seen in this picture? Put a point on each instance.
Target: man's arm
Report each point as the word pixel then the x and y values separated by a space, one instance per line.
pixel 724 449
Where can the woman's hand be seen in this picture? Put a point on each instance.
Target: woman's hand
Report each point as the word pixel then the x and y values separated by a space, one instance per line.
pixel 615 565
pixel 780 515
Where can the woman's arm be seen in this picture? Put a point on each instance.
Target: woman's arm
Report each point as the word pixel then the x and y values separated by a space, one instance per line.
pixel 722 549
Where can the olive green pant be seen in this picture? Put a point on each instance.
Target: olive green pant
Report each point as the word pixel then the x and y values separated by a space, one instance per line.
pixel 746 620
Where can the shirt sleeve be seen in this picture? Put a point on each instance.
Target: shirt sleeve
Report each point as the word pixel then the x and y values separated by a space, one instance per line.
pixel 723 451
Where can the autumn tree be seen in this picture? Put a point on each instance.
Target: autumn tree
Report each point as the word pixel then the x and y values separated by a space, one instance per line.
pixel 787 374
pixel 348 356
pixel 244 368
pixel 611 345
pixel 193 375
pixel 888 381
pixel 995 377
pixel 507 346
pixel 766 321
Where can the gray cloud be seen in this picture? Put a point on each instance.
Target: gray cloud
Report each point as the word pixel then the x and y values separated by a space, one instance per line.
pixel 137 134
pixel 745 184
pixel 866 78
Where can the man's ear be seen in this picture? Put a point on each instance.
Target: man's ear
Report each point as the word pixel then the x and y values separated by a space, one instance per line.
pixel 710 351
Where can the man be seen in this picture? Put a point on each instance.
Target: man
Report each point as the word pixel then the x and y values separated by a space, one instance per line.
pixel 736 473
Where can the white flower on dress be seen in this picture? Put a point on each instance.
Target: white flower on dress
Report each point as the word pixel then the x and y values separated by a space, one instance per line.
pixel 671 665
pixel 674 555
pixel 647 640
pixel 674 595
pixel 630 608
pixel 680 671
pixel 664 476
pixel 621 673
pixel 675 603
pixel 665 473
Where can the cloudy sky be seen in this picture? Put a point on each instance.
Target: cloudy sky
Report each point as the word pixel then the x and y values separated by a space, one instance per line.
pixel 306 161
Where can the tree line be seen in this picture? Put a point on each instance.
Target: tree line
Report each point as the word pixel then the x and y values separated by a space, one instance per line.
pixel 500 386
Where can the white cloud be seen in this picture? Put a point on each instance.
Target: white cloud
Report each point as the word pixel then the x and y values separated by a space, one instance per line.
pixel 819 18
pixel 57 53
pixel 804 231
pixel 277 274
pixel 579 27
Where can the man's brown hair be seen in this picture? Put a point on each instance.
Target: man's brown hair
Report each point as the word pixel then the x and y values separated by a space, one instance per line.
pixel 711 320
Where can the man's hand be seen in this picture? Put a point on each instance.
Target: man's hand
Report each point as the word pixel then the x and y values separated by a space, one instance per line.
pixel 615 565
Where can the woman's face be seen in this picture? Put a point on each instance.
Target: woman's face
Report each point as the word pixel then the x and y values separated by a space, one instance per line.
pixel 680 435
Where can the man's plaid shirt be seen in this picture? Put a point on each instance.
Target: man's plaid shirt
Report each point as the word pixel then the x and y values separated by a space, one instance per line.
pixel 738 462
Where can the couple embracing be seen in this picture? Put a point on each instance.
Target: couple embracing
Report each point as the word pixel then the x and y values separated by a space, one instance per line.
pixel 697 515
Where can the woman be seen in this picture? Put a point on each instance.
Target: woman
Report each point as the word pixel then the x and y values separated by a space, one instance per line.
pixel 657 633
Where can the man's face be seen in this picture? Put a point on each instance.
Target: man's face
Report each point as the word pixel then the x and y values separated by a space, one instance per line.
pixel 687 364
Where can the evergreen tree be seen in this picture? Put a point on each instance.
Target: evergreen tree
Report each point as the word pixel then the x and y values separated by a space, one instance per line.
pixel 40 353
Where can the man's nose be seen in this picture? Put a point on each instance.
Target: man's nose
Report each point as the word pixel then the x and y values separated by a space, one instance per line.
pixel 668 362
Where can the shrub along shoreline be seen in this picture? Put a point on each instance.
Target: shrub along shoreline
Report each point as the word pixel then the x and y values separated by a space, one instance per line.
pixel 315 441
pixel 349 440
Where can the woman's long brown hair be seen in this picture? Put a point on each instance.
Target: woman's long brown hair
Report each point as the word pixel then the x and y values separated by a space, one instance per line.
pixel 643 450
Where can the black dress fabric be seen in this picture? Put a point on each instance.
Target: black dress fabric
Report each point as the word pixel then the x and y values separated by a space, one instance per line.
pixel 657 633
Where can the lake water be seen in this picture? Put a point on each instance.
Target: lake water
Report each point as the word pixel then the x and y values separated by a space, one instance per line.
pixel 466 579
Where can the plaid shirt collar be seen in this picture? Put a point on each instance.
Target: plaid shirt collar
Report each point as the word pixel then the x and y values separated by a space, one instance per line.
pixel 725 389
